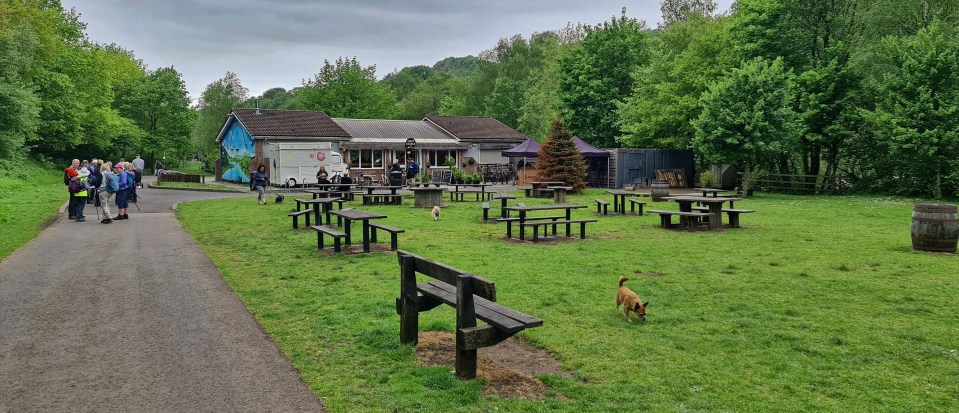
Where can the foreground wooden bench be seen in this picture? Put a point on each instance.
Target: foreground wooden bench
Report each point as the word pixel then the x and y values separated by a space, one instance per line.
pixel 692 218
pixel 337 237
pixel 392 230
pixel 473 297
pixel 535 226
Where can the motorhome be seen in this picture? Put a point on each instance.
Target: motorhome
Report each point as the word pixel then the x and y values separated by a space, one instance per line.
pixel 297 163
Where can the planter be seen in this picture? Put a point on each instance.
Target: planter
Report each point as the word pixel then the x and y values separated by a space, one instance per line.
pixel 660 189
pixel 935 227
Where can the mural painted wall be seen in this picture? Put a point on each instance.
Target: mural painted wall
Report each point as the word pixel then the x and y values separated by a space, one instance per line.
pixel 238 150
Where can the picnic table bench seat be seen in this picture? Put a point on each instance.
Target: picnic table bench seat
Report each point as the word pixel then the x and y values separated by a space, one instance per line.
pixel 392 230
pixel 382 199
pixel 460 194
pixel 296 217
pixel 486 211
pixel 528 189
pixel 472 296
pixel 634 203
pixel 509 222
pixel 692 218
pixel 602 207
pixel 329 231
pixel 535 226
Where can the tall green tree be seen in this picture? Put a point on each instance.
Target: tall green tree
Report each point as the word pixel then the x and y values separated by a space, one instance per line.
pixel 160 106
pixel 559 160
pixel 686 57
pixel 748 118
pixel 346 89
pixel 596 75
pixel 216 102
pixel 917 110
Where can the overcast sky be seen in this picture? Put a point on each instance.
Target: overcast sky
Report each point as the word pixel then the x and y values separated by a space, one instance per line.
pixel 278 43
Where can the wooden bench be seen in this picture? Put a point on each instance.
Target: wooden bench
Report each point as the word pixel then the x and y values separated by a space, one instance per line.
pixel 296 217
pixel 633 203
pixel 731 212
pixel 382 199
pixel 337 236
pixel 535 226
pixel 527 189
pixel 486 211
pixel 392 230
pixel 509 222
pixel 734 216
pixel 473 297
pixel 602 207
pixel 692 218
pixel 459 195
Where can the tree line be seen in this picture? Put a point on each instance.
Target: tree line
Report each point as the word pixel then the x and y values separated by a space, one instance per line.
pixel 866 91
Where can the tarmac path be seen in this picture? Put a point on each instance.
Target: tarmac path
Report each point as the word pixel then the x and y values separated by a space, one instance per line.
pixel 132 316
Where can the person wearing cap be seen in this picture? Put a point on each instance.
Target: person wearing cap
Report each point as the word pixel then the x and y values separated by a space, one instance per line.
pixel 109 190
pixel 83 175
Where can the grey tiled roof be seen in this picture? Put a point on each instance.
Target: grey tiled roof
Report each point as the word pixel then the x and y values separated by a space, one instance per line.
pixel 392 134
pixel 477 129
pixel 289 123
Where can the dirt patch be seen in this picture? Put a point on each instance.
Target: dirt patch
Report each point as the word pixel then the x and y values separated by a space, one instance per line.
pixel 650 274
pixel 435 348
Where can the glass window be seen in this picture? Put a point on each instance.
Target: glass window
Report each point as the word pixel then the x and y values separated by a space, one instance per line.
pixel 377 158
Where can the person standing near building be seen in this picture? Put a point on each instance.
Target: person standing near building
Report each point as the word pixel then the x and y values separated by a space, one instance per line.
pixel 110 188
pixel 138 174
pixel 412 169
pixel 261 178
pixel 68 174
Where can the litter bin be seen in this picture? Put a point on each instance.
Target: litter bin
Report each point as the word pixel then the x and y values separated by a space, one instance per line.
pixel 396 178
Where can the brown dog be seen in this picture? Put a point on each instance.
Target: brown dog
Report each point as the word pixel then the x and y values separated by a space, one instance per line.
pixel 630 301
pixel 436 213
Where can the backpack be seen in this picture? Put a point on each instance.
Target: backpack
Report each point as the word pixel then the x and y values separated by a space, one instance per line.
pixel 75 185
pixel 111 184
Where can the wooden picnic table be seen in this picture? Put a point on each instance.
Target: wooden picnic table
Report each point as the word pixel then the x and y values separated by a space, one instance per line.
pixel 715 205
pixel 326 193
pixel 559 193
pixel 392 189
pixel 619 199
pixel 482 187
pixel 503 197
pixel 540 187
pixel 327 204
pixel 523 210
pixel 352 214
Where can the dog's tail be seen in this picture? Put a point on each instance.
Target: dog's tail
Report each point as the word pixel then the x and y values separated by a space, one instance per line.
pixel 622 279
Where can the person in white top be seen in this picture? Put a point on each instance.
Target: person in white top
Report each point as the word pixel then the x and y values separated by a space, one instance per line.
pixel 138 174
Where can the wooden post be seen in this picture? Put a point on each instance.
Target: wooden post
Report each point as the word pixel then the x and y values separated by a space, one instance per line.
pixel 465 318
pixel 409 313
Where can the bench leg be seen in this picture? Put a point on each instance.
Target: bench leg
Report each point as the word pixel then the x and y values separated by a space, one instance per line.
pixel 733 219
pixel 535 234
pixel 319 240
pixel 296 222
pixel 373 235
pixel 605 209
pixel 582 230
pixel 393 241
pixel 485 214
pixel 640 209
pixel 664 221
pixel 599 207
pixel 337 246
pixel 509 229
pixel 308 220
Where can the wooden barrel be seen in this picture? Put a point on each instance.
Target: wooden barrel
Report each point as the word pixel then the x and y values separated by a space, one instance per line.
pixel 660 188
pixel 935 227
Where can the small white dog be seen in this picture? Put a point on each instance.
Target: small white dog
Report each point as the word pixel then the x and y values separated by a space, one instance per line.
pixel 436 213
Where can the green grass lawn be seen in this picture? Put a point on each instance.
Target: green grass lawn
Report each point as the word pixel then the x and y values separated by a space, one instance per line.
pixel 192 167
pixel 194 185
pixel 818 304
pixel 31 193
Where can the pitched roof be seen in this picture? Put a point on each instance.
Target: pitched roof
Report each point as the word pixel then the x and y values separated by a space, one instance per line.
pixel 289 123
pixel 392 134
pixel 477 129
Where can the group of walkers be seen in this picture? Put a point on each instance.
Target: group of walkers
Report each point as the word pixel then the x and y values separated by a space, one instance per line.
pixel 102 183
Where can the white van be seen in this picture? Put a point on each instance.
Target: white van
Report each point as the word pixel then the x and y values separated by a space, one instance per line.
pixel 297 163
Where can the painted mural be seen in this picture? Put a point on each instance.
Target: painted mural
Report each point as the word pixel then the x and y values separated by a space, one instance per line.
pixel 238 146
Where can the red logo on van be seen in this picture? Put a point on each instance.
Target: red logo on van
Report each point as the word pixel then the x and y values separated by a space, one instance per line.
pixel 320 156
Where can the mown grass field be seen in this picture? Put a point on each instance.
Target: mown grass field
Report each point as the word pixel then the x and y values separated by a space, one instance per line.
pixel 818 304
pixel 31 193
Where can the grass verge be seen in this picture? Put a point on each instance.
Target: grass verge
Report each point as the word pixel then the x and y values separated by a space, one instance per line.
pixel 817 304
pixel 31 194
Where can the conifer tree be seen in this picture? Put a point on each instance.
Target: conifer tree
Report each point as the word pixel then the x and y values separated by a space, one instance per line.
pixel 559 160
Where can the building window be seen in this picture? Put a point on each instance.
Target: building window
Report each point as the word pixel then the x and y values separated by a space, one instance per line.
pixel 365 158
pixel 438 158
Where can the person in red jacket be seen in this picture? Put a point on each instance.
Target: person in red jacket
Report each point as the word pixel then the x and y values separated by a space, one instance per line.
pixel 70 173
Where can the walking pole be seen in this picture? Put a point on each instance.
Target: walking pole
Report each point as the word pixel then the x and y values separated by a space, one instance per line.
pixel 96 202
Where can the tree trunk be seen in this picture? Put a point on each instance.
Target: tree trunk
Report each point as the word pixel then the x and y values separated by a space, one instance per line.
pixel 939 183
pixel 746 178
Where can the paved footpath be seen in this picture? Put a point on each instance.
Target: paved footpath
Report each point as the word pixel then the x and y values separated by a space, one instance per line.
pixel 133 317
